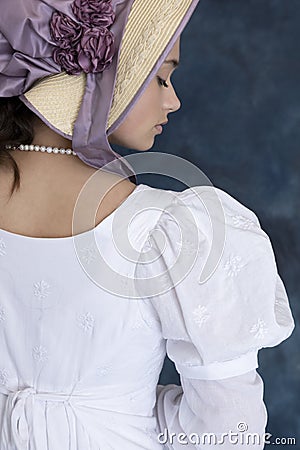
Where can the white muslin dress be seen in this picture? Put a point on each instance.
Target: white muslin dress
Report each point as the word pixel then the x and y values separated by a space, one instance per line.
pixel 85 326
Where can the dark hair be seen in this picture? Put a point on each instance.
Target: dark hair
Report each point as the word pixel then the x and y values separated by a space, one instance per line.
pixel 16 127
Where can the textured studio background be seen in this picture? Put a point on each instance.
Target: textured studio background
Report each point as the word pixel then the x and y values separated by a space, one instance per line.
pixel 239 84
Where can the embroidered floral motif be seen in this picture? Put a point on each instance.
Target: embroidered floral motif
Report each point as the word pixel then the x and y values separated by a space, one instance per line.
pixel 133 398
pixel 201 315
pixel 40 353
pixel 259 329
pixel 2 314
pixel 2 247
pixel 233 265
pixel 151 433
pixel 3 376
pixel 103 371
pixel 192 363
pixel 41 289
pixel 144 320
pixel 86 321
pixel 148 320
pixel 88 254
pixel 136 325
pixel 243 222
pixel 188 246
pixel 87 46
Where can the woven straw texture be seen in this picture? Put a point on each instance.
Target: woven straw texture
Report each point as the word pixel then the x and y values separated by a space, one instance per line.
pixel 58 99
pixel 149 29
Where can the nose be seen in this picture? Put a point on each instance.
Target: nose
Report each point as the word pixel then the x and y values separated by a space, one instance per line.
pixel 172 102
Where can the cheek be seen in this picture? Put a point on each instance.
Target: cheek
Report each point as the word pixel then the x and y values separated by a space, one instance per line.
pixel 145 108
pixel 144 113
pixel 149 102
pixel 122 132
pixel 129 129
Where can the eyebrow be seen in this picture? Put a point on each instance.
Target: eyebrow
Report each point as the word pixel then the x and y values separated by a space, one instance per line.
pixel 174 62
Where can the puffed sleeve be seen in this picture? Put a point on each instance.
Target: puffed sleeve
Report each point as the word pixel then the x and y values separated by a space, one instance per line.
pixel 209 271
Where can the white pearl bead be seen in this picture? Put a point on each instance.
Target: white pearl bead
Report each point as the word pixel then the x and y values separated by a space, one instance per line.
pixel 42 148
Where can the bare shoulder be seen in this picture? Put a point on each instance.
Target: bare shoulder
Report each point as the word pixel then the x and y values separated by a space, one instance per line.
pixel 28 214
pixel 115 191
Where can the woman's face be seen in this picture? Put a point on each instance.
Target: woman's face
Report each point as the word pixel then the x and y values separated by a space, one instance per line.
pixel 138 129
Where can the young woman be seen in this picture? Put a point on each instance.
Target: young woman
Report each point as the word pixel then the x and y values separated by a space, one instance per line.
pixel 90 303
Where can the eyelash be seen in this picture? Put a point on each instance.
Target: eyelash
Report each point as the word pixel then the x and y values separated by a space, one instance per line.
pixel 162 82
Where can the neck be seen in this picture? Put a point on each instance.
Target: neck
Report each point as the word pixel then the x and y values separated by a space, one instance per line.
pixel 43 135
pixel 49 164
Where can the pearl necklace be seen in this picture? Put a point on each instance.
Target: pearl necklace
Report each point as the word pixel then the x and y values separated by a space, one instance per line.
pixel 42 148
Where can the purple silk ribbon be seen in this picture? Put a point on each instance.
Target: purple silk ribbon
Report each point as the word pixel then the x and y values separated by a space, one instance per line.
pixel 26 50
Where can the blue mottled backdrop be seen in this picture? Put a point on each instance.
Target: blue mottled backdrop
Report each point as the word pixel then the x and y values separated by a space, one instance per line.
pixel 239 84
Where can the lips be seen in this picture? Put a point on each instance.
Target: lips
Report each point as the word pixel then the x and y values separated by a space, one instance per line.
pixel 159 127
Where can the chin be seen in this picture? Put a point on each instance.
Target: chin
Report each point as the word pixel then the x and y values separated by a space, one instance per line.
pixel 145 148
pixel 142 147
pixel 143 144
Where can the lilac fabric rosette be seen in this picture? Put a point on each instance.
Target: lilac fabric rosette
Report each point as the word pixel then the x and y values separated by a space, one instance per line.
pixel 64 31
pixel 87 45
pixel 97 13
pixel 84 33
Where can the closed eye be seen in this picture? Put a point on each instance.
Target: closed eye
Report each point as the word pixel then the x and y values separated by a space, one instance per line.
pixel 162 82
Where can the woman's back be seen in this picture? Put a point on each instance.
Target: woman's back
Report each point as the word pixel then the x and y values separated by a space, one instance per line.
pixel 88 313
pixel 70 339
pixel 50 185
pixel 83 343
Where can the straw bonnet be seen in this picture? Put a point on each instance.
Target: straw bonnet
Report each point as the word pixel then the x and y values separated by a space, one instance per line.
pixel 81 65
